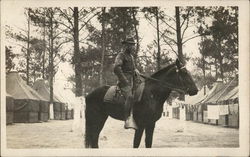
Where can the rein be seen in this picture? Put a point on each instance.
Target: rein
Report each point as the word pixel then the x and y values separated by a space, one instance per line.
pixel 170 86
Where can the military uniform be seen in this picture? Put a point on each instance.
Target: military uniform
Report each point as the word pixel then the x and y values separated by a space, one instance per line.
pixel 126 72
pixel 124 68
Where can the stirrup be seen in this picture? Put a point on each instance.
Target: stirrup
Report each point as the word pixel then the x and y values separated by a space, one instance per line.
pixel 130 123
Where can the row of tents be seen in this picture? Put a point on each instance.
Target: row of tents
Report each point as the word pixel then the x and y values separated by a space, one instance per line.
pixel 220 106
pixel 25 104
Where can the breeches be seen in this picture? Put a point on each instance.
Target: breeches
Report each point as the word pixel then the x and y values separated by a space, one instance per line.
pixel 127 91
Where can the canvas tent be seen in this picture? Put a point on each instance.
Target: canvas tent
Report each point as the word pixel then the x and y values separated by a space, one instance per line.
pixel 219 101
pixel 229 94
pixel 196 109
pixel 229 106
pixel 70 100
pixel 189 110
pixel 175 107
pixel 63 105
pixel 26 100
pixel 9 109
pixel 210 113
pixel 65 96
pixel 58 105
pixel 214 93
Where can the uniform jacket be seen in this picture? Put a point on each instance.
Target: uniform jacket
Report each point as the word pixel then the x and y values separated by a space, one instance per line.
pixel 124 68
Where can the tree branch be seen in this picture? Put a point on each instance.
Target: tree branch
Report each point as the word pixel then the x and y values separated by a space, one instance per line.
pixel 163 20
pixel 56 35
pixel 60 59
pixel 71 9
pixel 84 16
pixel 22 71
pixel 193 38
pixel 17 44
pixel 162 34
pixel 170 46
pixel 169 17
pixel 67 17
pixel 84 38
pixel 20 37
pixel 185 30
pixel 65 25
pixel 68 38
pixel 185 18
pixel 21 29
pixel 85 23
pixel 79 10
pixel 58 46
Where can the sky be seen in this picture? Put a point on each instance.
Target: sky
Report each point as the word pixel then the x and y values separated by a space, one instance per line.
pixel 17 20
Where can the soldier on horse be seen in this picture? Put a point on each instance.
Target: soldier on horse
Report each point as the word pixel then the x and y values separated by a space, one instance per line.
pixel 149 100
pixel 126 72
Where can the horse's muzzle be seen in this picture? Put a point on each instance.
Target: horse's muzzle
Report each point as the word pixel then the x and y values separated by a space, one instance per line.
pixel 192 92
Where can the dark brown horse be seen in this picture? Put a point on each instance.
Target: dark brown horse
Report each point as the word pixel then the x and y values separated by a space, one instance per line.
pixel 146 111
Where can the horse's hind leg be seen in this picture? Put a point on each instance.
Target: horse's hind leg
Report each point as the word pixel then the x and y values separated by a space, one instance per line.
pixel 96 129
pixel 149 135
pixel 137 137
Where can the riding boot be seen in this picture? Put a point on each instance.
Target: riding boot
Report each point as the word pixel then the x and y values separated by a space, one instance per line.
pixel 129 120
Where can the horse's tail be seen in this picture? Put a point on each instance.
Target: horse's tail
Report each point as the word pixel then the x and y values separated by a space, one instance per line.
pixel 87 126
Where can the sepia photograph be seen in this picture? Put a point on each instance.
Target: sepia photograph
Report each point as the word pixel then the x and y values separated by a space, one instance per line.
pixel 141 78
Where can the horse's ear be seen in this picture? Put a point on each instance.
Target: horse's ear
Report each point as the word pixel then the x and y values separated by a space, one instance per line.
pixel 178 64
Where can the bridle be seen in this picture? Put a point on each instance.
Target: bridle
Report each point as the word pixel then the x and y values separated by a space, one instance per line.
pixel 182 89
pixel 180 79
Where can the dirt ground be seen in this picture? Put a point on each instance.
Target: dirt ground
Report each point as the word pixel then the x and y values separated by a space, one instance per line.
pixel 168 133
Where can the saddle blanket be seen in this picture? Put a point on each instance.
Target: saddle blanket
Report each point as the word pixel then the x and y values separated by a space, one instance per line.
pixel 114 94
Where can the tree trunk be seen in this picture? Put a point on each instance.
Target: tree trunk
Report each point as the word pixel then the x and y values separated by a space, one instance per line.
pixel 204 72
pixel 125 30
pixel 203 67
pixel 210 69
pixel 103 47
pixel 179 42
pixel 28 51
pixel 79 109
pixel 158 40
pixel 220 59
pixel 34 74
pixel 84 83
pixel 51 59
pixel 44 44
pixel 136 35
pixel 221 68
pixel 178 33
pixel 77 57
pixel 216 69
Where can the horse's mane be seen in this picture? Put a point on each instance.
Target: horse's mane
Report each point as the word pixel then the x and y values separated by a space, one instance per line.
pixel 161 71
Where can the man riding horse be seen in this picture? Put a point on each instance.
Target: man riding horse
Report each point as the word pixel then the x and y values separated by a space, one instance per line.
pixel 147 110
pixel 125 70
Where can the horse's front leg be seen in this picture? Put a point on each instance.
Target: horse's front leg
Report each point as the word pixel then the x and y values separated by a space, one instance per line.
pixel 149 135
pixel 137 137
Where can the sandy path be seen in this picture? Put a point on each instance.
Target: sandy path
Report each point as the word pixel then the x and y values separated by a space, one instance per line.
pixel 172 133
pixel 168 133
pixel 52 134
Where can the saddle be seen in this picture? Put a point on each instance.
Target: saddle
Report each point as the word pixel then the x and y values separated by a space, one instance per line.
pixel 115 96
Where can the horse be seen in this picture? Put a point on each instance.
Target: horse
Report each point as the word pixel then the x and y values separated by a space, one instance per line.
pixel 146 111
